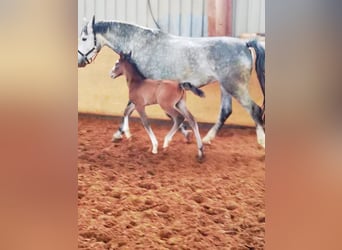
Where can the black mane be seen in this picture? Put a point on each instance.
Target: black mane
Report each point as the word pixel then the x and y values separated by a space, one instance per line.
pixel 101 27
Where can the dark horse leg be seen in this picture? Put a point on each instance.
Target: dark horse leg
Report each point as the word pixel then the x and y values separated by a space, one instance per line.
pixel 242 96
pixel 225 111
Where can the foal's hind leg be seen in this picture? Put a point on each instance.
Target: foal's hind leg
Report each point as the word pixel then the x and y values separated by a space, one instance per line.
pixel 124 128
pixel 183 130
pixel 181 106
pixel 177 121
pixel 242 95
pixel 187 133
pixel 225 111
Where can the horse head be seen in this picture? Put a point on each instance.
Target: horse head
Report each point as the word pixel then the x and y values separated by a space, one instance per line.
pixel 88 47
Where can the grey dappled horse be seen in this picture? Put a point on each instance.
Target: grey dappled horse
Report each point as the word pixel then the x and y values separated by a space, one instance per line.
pixel 200 61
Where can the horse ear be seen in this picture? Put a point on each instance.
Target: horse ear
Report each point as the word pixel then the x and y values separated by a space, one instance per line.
pixel 90 26
pixel 93 22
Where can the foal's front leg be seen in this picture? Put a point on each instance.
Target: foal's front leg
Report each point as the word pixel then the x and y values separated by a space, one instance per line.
pixel 124 128
pixel 143 116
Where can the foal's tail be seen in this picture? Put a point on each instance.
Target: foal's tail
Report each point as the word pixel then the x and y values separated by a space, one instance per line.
pixel 189 86
pixel 260 68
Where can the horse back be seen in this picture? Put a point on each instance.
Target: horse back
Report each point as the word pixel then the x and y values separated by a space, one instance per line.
pixel 197 60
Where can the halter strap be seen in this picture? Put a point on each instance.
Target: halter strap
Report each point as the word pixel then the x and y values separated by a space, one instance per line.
pixel 85 56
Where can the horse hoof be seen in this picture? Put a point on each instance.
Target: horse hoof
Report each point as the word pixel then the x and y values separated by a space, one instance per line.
pixel 117 136
pixel 262 143
pixel 188 136
pixel 116 139
pixel 200 158
pixel 154 151
pixel 206 141
pixel 128 135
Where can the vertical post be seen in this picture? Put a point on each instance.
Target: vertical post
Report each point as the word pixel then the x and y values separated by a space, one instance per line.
pixel 229 18
pixel 219 17
pixel 211 8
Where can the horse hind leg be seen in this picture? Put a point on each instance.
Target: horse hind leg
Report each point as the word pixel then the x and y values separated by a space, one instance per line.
pixel 242 96
pixel 177 122
pixel 185 132
pixel 181 107
pixel 225 111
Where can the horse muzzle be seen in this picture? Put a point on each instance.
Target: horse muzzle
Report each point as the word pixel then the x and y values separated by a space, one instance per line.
pixel 113 75
pixel 81 61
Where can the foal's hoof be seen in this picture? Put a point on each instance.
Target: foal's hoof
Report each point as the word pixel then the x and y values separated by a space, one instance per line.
pixel 188 136
pixel 117 136
pixel 206 140
pixel 261 142
pixel 200 158
pixel 128 135
pixel 116 139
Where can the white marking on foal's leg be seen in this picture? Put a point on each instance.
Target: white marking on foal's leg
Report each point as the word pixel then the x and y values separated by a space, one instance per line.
pixel 117 136
pixel 260 135
pixel 210 135
pixel 166 141
pixel 188 135
pixel 125 128
pixel 153 140
pixel 154 146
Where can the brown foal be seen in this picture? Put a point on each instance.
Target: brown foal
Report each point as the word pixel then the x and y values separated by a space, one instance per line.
pixel 170 95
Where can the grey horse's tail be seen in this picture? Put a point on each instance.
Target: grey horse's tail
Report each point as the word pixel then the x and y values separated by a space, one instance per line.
pixel 189 86
pixel 260 68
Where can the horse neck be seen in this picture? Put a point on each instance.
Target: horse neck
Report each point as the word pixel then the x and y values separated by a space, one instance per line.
pixel 121 36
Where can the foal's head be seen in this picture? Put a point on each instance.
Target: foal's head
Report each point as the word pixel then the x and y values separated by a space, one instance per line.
pixel 116 70
pixel 125 65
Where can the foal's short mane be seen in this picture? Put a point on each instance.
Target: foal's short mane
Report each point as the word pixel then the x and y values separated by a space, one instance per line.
pixel 135 67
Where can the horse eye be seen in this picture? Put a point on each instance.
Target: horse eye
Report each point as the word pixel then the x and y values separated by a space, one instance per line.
pixel 84 39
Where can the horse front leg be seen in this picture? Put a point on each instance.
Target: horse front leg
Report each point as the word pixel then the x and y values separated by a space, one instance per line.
pixel 124 127
pixel 144 120
pixel 225 111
